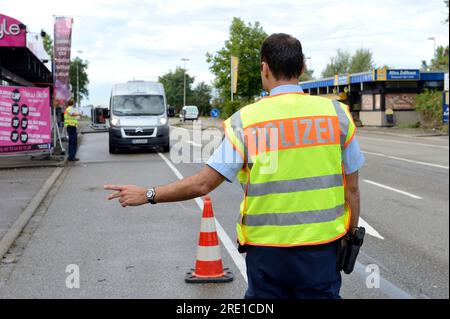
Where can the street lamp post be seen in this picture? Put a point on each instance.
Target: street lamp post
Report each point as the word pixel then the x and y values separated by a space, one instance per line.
pixel 78 81
pixel 184 90
pixel 434 45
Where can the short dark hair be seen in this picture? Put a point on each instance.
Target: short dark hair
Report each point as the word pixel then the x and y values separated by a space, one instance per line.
pixel 283 53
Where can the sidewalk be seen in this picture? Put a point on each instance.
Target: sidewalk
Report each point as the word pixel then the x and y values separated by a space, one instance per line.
pixel 18 187
pixel 409 133
pixel 24 183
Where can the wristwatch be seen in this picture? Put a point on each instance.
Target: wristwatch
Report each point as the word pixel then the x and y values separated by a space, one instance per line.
pixel 151 193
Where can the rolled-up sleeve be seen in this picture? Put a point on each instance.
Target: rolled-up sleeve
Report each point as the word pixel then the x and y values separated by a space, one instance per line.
pixel 226 160
pixel 352 157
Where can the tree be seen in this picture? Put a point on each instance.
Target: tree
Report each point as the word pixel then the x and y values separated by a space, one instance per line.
pixel 344 62
pixel 440 60
pixel 339 64
pixel 306 76
pixel 446 3
pixel 361 61
pixel 424 66
pixel 173 82
pixel 201 97
pixel 80 82
pixel 245 43
pixel 48 43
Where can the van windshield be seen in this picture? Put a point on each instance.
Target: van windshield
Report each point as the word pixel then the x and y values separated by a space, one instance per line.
pixel 191 110
pixel 123 105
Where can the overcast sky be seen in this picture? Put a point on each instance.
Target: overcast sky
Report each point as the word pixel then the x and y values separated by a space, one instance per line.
pixel 126 39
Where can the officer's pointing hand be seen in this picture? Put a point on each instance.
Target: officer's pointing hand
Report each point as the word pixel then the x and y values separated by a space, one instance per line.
pixel 128 195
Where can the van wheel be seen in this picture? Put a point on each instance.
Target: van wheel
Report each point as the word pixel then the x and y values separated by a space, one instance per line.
pixel 112 149
pixel 166 148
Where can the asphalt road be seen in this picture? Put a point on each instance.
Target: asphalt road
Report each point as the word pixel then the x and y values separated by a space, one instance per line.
pixel 145 252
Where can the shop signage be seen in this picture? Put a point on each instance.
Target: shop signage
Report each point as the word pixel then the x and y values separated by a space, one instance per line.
pixel 12 32
pixel 341 79
pixel 400 101
pixel 445 110
pixel 446 82
pixel 402 75
pixel 381 74
pixel 25 124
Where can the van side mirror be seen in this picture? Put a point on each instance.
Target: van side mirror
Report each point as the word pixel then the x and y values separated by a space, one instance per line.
pixel 106 114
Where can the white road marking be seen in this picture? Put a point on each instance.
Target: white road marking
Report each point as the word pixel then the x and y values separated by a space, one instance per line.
pixel 224 238
pixel 369 229
pixel 392 189
pixel 402 142
pixel 406 160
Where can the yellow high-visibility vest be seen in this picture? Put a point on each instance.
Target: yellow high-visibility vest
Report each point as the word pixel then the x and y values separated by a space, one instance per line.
pixel 293 175
pixel 70 120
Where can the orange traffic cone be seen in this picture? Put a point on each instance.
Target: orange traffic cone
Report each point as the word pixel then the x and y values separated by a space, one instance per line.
pixel 208 267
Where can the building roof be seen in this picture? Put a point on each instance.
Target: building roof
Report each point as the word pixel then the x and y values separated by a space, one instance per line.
pixel 364 77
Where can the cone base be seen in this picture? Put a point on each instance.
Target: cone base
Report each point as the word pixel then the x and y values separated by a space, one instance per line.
pixel 191 278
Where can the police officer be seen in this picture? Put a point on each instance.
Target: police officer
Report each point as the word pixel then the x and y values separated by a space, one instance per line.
pixel 71 118
pixel 297 160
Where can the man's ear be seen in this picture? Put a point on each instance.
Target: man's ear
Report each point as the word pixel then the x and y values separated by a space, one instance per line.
pixel 303 69
pixel 265 70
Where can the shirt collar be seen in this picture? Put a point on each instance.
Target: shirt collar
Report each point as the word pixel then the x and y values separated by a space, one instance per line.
pixel 287 88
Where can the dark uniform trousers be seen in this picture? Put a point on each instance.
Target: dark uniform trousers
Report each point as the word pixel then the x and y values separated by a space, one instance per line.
pixel 303 272
pixel 72 133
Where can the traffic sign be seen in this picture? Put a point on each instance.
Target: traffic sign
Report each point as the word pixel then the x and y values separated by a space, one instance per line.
pixel 214 112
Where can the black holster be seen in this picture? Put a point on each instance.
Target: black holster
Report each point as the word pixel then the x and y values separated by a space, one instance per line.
pixel 349 248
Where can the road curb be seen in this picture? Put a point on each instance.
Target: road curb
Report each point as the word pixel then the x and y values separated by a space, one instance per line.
pixel 407 135
pixel 14 231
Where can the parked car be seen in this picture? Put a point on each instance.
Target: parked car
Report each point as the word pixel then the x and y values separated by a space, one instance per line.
pixel 170 111
pixel 189 112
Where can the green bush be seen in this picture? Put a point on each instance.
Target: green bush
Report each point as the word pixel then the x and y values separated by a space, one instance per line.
pixel 429 106
pixel 230 107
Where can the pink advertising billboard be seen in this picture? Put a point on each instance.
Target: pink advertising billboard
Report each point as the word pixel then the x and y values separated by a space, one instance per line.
pixel 25 122
pixel 12 32
pixel 61 49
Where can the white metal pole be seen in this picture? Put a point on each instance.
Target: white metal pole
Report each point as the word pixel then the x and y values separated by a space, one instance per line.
pixel 78 81
pixel 184 87
pixel 77 98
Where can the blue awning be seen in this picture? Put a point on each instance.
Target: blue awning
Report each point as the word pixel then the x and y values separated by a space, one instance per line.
pixel 432 76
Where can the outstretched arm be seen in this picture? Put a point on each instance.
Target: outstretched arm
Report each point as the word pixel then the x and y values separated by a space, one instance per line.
pixel 188 188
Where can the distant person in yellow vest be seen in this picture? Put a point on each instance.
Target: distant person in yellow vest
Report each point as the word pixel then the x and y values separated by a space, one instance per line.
pixel 297 159
pixel 71 118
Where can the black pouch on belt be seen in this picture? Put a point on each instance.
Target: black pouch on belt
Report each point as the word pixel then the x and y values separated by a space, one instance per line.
pixel 349 249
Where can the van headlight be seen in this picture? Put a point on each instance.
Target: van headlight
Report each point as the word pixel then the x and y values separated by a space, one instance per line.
pixel 115 122
pixel 163 121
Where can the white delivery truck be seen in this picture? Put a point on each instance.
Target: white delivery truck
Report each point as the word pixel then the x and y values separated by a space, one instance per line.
pixel 138 117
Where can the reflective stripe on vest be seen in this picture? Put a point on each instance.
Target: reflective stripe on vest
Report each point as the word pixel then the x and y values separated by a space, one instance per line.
pixel 295 218
pixel 302 200
pixel 70 120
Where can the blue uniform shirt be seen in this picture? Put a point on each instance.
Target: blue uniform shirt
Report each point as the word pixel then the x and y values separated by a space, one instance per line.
pixel 227 161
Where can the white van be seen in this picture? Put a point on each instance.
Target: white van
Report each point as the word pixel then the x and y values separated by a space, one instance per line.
pixel 138 117
pixel 189 112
